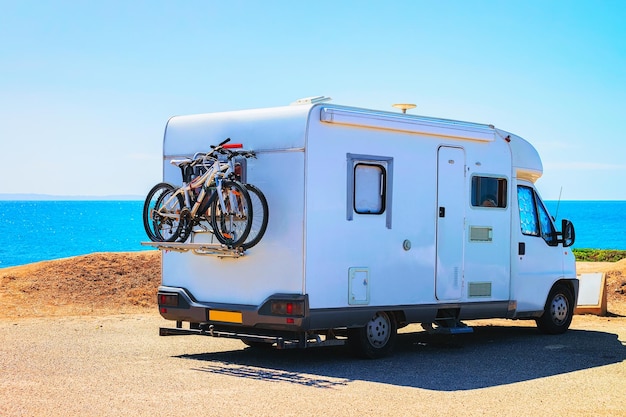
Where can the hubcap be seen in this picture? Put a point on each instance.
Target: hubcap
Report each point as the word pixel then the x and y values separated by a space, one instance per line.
pixel 378 330
pixel 559 309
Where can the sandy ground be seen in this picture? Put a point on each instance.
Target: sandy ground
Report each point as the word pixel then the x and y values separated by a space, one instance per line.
pixel 125 283
pixel 97 284
pixel 79 337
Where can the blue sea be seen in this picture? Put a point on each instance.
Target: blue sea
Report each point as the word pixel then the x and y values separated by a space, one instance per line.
pixel 32 231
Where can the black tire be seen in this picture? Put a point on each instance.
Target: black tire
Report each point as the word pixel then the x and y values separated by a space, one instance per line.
pixel 232 228
pixel 260 211
pixel 376 339
pixel 161 228
pixel 558 311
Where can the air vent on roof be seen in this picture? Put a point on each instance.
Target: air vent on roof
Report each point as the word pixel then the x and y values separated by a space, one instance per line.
pixel 311 100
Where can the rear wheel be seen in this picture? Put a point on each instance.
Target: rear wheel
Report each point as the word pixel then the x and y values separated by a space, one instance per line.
pixel 376 339
pixel 232 225
pixel 558 311
pixel 162 213
pixel 260 217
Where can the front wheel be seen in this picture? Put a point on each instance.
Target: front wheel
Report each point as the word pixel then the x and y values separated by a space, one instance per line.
pixel 232 224
pixel 162 213
pixel 376 339
pixel 558 311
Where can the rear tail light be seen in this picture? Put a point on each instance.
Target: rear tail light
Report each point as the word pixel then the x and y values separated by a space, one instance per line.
pixel 167 300
pixel 288 308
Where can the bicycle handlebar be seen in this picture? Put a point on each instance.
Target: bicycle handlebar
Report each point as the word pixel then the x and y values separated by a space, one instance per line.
pixel 224 142
pixel 228 150
pixel 231 154
pixel 200 157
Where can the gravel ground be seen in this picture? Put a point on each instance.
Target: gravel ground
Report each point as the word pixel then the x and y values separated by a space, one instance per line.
pixel 119 366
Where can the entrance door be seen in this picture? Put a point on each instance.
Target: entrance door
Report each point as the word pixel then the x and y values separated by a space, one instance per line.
pixel 450 223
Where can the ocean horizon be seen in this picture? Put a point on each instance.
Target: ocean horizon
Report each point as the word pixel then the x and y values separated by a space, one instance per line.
pixel 53 197
pixel 41 230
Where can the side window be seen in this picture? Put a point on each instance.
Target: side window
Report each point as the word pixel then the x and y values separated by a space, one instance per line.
pixel 547 228
pixel 534 218
pixel 489 192
pixel 369 186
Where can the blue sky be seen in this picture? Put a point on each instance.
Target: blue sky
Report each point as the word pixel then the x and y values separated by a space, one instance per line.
pixel 87 87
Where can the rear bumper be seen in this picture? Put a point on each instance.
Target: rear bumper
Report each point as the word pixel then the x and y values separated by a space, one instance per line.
pixel 231 317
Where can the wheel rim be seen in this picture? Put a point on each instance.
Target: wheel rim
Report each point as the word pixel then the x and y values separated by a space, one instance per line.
pixel 559 309
pixel 378 330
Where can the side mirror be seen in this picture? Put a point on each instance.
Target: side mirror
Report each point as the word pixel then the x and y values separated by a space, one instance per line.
pixel 567 232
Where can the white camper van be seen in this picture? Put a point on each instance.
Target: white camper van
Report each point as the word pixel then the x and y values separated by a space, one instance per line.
pixel 376 220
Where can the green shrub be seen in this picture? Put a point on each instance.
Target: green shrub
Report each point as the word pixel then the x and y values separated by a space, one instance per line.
pixel 599 255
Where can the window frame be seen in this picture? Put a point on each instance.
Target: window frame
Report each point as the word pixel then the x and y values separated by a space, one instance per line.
pixel 382 188
pixel 477 199
pixel 386 164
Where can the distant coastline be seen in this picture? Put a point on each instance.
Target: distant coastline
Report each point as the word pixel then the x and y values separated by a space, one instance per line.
pixel 48 197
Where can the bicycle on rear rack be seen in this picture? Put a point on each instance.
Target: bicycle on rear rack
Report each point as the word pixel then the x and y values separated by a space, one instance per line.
pixel 170 213
pixel 260 208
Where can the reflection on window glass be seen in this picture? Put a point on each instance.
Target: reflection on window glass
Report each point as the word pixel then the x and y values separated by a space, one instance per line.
pixel 489 192
pixel 527 211
pixel 369 189
pixel 547 229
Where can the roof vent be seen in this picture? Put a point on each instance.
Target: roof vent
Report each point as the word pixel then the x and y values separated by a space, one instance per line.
pixel 311 100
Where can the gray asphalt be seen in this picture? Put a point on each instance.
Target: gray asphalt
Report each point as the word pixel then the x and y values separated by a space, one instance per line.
pixel 118 365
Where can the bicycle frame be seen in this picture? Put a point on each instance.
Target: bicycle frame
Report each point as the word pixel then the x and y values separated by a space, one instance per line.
pixel 214 174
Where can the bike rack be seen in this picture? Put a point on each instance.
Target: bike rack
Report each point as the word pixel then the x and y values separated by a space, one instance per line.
pixel 215 249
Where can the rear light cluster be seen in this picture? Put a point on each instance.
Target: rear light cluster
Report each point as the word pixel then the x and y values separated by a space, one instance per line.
pixel 167 300
pixel 288 308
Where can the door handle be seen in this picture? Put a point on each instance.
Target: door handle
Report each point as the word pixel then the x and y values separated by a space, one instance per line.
pixel 442 212
pixel 521 248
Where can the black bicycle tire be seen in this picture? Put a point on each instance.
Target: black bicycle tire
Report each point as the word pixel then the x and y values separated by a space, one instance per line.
pixel 160 187
pixel 153 232
pixel 256 234
pixel 218 220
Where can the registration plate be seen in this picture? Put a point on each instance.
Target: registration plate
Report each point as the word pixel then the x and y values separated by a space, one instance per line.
pixel 226 316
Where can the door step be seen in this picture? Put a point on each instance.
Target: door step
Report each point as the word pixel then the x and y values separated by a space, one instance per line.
pixel 447 322
pixel 447 326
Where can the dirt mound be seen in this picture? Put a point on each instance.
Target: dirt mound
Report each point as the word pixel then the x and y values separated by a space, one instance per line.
pixel 100 283
pixel 127 282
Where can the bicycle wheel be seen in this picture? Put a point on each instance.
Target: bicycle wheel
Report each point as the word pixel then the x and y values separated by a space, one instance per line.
pixel 260 211
pixel 161 213
pixel 231 227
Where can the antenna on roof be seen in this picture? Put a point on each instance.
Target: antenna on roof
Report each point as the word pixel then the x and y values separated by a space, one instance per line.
pixel 556 215
pixel 404 106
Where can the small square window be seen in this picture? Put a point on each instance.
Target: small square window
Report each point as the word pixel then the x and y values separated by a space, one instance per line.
pixel 369 189
pixel 489 192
